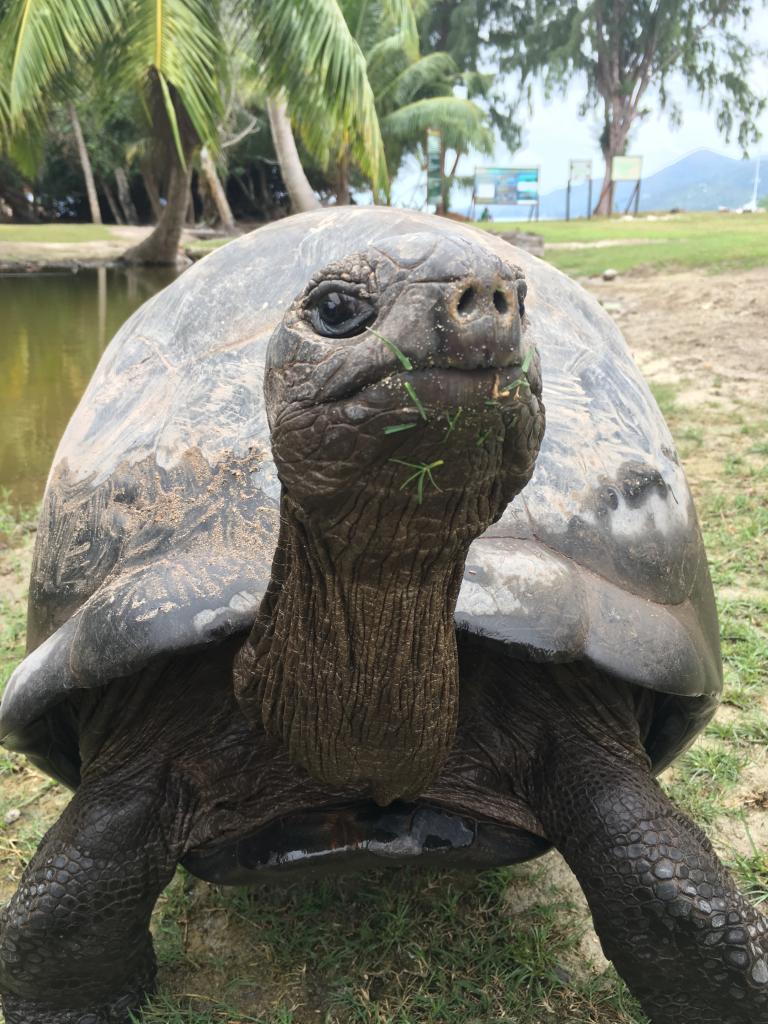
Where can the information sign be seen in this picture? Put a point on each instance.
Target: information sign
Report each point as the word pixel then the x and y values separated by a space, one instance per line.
pixel 507 186
pixel 626 168
pixel 580 171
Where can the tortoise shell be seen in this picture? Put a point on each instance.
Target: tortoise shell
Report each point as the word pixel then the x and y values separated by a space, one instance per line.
pixel 161 509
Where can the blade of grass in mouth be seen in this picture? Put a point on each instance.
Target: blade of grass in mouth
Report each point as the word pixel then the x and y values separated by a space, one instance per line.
pixel 404 360
pixel 398 427
pixel 415 399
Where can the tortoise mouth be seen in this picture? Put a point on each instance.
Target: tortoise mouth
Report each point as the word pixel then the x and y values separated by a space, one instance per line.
pixel 440 387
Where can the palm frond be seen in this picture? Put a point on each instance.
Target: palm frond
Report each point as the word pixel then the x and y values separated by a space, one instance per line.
pixel 434 71
pixel 306 48
pixel 180 40
pixel 462 122
pixel 5 110
pixel 401 15
pixel 42 40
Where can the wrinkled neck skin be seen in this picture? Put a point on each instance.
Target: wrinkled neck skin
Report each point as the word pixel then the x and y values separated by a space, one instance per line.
pixel 353 659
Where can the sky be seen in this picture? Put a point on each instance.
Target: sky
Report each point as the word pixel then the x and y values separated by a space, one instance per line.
pixel 555 133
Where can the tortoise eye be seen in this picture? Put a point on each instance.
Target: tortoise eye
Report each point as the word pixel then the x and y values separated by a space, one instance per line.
pixel 339 315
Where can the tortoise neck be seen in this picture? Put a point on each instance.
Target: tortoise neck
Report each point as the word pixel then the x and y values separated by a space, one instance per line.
pixel 355 671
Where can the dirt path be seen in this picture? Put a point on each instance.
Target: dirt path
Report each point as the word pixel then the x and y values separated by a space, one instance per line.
pixel 706 332
pixel 34 255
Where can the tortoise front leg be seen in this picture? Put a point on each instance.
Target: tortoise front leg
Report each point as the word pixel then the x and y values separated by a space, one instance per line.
pixel 74 941
pixel 689 946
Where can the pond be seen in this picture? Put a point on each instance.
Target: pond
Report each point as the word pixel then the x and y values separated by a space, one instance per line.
pixel 53 328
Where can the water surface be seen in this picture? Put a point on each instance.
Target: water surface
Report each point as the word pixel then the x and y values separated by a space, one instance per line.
pixel 53 328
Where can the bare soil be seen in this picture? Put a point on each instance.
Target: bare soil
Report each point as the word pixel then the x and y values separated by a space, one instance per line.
pixel 708 333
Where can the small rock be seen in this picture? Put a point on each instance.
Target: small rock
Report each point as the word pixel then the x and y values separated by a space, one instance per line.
pixel 614 308
pixel 610 274
pixel 13 815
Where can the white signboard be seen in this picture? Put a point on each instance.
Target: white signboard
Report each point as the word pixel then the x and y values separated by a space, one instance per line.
pixel 626 168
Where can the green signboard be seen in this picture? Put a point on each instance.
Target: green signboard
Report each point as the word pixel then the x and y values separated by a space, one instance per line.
pixel 434 167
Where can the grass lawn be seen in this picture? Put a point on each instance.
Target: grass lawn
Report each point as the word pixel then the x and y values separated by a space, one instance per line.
pixel 715 241
pixel 66 234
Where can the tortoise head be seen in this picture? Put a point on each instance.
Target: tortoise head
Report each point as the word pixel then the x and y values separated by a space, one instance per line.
pixel 405 412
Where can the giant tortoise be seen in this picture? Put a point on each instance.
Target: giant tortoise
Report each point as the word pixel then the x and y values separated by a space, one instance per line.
pixel 288 608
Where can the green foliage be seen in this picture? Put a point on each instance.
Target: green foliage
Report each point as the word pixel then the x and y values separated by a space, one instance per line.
pixel 176 54
pixel 301 43
pixel 625 50
pixel 411 93
pixel 475 34
pixel 173 43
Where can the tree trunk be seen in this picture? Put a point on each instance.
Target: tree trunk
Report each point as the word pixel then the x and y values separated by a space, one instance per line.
pixel 189 216
pixel 85 163
pixel 162 246
pixel 152 190
pixel 605 199
pixel 442 206
pixel 619 115
pixel 112 202
pixel 342 179
pixel 217 193
pixel 299 190
pixel 124 194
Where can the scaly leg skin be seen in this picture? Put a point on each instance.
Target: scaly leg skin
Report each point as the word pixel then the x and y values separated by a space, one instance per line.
pixel 74 941
pixel 689 946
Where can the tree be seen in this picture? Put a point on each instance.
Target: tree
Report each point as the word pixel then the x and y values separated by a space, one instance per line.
pixel 477 34
pixel 411 93
pixel 314 69
pixel 624 49
pixel 418 95
pixel 170 52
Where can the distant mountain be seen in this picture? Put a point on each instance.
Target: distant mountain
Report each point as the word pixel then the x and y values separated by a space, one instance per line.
pixel 703 180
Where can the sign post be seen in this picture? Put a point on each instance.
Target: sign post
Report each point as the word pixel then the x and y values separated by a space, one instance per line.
pixel 507 186
pixel 434 167
pixel 579 171
pixel 627 168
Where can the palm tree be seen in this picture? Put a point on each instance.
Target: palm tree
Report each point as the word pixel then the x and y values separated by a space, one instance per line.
pixel 170 52
pixel 415 95
pixel 411 93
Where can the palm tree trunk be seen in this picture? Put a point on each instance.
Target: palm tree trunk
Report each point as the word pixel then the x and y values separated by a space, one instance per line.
pixel 342 179
pixel 216 190
pixel 299 190
pixel 153 192
pixel 85 163
pixel 112 202
pixel 162 246
pixel 124 194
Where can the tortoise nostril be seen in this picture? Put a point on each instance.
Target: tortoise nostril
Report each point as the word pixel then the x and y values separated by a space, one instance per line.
pixel 500 301
pixel 467 301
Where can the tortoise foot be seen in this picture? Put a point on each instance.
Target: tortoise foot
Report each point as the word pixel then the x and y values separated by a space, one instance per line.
pixel 116 1011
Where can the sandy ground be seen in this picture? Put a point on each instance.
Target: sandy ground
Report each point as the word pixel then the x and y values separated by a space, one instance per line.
pixel 82 253
pixel 708 332
pixel 62 255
